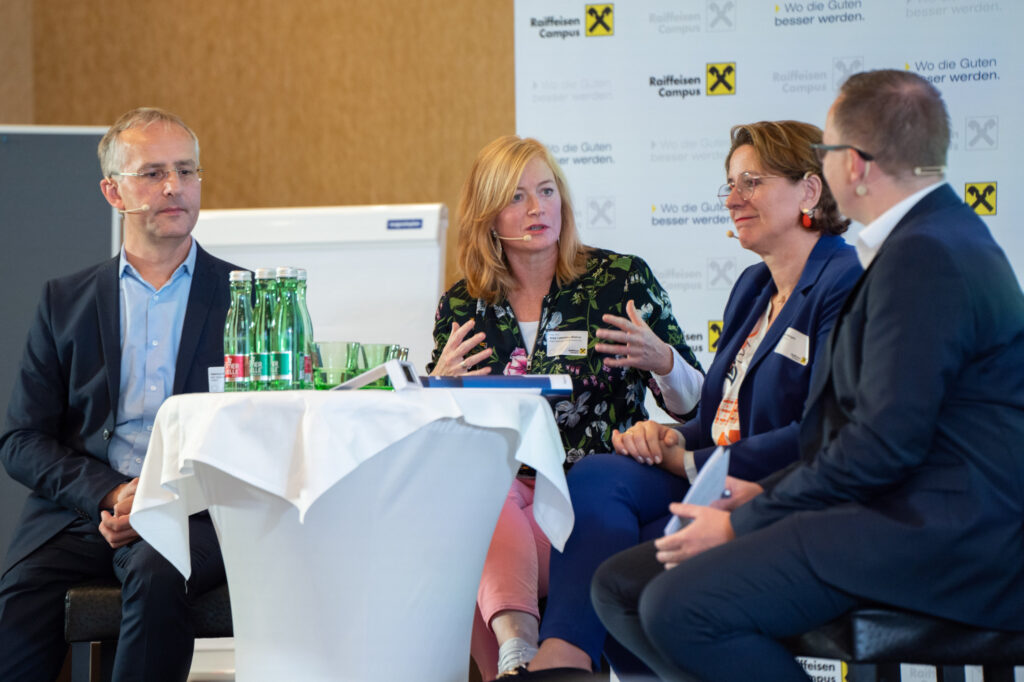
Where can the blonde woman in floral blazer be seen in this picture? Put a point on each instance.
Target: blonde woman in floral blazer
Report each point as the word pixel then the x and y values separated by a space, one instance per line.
pixel 535 300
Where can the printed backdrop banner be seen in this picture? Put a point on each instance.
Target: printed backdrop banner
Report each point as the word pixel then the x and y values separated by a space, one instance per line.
pixel 636 100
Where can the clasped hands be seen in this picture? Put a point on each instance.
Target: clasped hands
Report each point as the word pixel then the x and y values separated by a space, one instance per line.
pixel 115 527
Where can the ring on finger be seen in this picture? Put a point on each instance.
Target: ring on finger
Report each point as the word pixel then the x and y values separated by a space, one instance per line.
pixel 462 363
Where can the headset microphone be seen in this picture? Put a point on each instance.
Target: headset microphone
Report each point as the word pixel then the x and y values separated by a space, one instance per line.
pixel 140 209
pixel 524 238
pixel 731 235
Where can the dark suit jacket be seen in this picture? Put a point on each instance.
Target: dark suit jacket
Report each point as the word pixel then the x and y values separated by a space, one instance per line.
pixel 772 395
pixel 911 488
pixel 61 414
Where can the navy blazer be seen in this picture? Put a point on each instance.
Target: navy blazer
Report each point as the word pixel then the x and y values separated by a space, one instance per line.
pixel 910 491
pixel 771 397
pixel 62 409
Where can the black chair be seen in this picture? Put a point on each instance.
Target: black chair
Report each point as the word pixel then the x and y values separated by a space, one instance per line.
pixel 874 640
pixel 92 619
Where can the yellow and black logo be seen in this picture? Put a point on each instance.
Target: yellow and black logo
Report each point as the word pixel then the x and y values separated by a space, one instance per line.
pixel 714 334
pixel 721 79
pixel 981 196
pixel 600 20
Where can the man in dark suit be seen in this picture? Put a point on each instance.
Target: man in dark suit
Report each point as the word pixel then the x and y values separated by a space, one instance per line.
pixel 107 346
pixel 910 488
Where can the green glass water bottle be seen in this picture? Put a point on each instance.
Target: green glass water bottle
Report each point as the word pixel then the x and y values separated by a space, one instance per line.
pixel 307 344
pixel 262 327
pixel 237 330
pixel 285 342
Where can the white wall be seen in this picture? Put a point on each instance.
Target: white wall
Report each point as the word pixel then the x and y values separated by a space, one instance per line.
pixel 643 140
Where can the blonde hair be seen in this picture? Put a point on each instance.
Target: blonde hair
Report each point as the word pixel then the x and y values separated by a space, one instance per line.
pixel 486 192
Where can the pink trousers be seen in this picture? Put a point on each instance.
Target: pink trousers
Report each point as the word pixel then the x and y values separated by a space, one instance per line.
pixel 515 573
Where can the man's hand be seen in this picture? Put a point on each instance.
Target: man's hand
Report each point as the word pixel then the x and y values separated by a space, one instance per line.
pixel 115 527
pixel 119 493
pixel 740 492
pixel 709 528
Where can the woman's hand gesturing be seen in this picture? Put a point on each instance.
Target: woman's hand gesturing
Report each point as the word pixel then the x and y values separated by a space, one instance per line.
pixel 453 360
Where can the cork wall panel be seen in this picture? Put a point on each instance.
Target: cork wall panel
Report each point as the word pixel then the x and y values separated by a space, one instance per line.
pixel 16 57
pixel 320 102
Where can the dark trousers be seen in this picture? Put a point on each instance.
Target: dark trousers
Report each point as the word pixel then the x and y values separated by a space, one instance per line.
pixel 156 639
pixel 717 616
pixel 618 503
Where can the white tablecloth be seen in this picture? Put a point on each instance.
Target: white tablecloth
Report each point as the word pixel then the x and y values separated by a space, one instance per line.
pixel 353 524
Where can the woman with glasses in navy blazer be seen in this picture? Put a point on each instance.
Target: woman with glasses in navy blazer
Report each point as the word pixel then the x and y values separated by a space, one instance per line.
pixel 777 318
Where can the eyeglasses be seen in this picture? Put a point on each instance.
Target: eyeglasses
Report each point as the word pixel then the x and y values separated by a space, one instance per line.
pixel 186 176
pixel 747 183
pixel 821 149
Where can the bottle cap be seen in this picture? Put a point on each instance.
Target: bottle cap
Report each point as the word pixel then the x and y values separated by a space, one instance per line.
pixel 285 271
pixel 240 276
pixel 300 274
pixel 264 273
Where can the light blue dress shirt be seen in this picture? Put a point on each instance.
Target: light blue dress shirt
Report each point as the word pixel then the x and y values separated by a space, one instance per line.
pixel 151 323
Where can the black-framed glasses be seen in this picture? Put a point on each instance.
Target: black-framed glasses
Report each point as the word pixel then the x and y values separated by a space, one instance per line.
pixel 156 176
pixel 821 149
pixel 746 184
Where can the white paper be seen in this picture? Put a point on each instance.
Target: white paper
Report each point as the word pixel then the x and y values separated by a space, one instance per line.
pixel 707 487
pixel 215 379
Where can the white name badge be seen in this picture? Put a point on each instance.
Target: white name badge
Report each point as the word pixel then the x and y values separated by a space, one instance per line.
pixel 566 343
pixel 795 346
pixel 215 376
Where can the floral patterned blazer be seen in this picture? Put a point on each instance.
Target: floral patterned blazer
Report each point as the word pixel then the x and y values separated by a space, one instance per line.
pixel 603 398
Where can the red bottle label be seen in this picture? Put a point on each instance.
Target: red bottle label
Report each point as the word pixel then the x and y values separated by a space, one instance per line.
pixel 236 368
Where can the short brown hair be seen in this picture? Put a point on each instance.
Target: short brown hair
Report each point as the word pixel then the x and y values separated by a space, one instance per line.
pixel 489 189
pixel 111 151
pixel 784 147
pixel 896 116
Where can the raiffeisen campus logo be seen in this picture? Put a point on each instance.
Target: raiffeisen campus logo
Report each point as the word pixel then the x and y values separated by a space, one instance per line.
pixel 600 20
pixel 597 21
